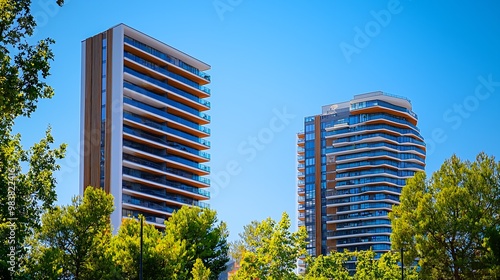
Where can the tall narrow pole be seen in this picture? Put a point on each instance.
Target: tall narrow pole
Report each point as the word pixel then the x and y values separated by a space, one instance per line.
pixel 402 265
pixel 140 258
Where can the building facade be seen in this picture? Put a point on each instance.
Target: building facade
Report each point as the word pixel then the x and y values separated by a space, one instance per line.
pixel 143 123
pixel 353 161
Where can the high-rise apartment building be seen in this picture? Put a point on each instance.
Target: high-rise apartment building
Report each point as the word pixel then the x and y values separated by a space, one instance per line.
pixel 143 124
pixel 353 161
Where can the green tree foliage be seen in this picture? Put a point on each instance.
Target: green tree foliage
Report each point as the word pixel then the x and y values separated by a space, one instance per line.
pixel 328 267
pixel 162 258
pixel 450 221
pixel 205 238
pixel 23 196
pixel 191 235
pixel 269 250
pixel 23 67
pixel 74 240
pixel 200 272
pixel 367 267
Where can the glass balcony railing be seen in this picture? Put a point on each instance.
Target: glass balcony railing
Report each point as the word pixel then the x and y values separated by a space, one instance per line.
pixel 188 175
pixel 367 180
pixel 162 153
pixel 370 117
pixel 163 194
pixel 167 86
pixel 169 157
pixel 362 223
pixel 401 156
pixel 144 162
pixel 368 205
pixel 162 167
pixel 166 57
pixel 364 163
pixel 167 73
pixel 358 215
pixel 148 217
pixel 374 145
pixel 401 139
pixel 162 180
pixel 148 204
pixel 359 231
pixel 373 103
pixel 374 238
pixel 361 128
pixel 165 100
pixel 164 114
pixel 161 127
pixel 360 190
pixel 362 198
pixel 188 162
pixel 373 171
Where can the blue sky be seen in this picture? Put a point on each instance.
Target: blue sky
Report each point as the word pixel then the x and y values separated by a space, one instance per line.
pixel 275 63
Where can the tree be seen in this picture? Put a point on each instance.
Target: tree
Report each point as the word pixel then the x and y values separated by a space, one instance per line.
pixel 200 272
pixel 23 196
pixel 447 221
pixel 162 256
pixel 270 250
pixel 191 235
pixel 205 238
pixel 332 266
pixel 74 239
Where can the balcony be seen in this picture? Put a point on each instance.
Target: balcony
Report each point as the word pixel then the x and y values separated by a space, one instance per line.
pixel 155 154
pixel 148 204
pixel 167 73
pixel 163 99
pixel 161 127
pixel 155 220
pixel 168 87
pixel 163 194
pixel 163 182
pixel 166 57
pixel 167 116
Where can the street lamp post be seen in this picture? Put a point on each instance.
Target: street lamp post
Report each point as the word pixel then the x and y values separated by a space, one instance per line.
pixel 402 264
pixel 140 257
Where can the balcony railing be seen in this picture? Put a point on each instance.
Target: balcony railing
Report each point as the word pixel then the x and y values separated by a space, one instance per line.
pixel 166 115
pixel 166 86
pixel 164 128
pixel 167 57
pixel 165 100
pixel 162 180
pixel 163 194
pixel 165 72
pixel 147 204
pixel 168 157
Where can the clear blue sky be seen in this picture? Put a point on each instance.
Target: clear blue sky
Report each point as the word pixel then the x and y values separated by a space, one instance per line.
pixel 294 56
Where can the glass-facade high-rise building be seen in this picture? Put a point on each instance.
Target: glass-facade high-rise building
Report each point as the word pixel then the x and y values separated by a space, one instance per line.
pixel 353 161
pixel 143 124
